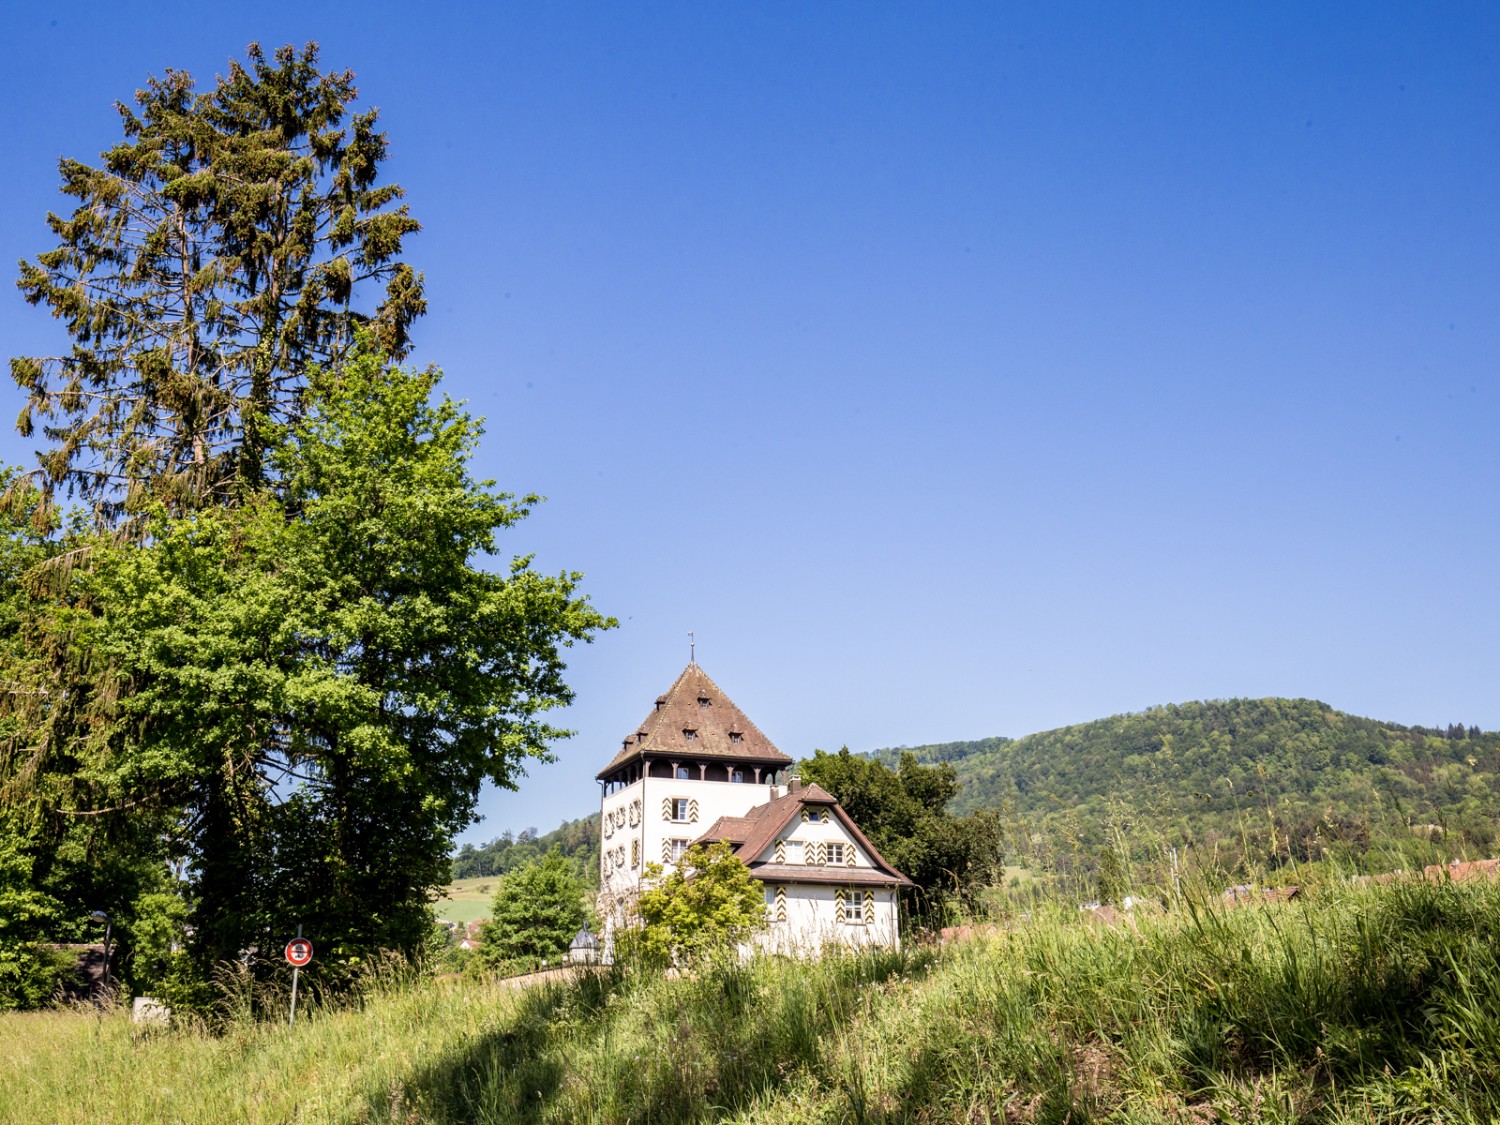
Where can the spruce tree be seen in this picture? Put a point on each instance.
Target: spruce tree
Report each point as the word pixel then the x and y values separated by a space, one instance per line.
pixel 234 237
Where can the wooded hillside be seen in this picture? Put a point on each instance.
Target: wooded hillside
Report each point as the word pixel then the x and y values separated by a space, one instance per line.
pixel 1292 774
pixel 578 840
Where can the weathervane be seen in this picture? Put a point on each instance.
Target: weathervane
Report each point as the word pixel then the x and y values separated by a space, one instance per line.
pixel 692 648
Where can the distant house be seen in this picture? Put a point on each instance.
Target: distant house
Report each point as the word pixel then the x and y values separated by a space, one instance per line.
pixel 697 760
pixel 1461 872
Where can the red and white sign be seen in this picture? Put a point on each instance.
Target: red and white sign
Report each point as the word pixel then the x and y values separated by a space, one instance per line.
pixel 299 951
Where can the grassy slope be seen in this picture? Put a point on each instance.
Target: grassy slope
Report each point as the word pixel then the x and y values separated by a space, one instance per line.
pixel 466 900
pixel 1359 1005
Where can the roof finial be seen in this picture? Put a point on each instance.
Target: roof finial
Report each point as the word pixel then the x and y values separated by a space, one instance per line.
pixel 692 648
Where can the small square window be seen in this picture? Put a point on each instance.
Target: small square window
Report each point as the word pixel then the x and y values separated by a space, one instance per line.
pixel 680 808
pixel 737 775
pixel 836 853
pixel 682 773
pixel 855 916
pixel 677 847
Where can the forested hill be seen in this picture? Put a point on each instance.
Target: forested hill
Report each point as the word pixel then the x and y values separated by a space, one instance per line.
pixel 578 840
pixel 1197 770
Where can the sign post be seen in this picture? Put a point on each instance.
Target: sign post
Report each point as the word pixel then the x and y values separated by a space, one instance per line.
pixel 298 953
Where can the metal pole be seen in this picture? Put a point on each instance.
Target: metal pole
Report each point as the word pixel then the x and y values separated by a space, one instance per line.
pixel 292 1018
pixel 106 953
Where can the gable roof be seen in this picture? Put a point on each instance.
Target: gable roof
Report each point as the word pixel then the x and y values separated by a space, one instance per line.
pixel 721 731
pixel 753 833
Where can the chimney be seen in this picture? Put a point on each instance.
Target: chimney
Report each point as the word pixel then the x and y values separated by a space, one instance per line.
pixel 794 784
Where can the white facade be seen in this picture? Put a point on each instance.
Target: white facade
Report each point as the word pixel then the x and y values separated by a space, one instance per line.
pixel 640 824
pixel 806 918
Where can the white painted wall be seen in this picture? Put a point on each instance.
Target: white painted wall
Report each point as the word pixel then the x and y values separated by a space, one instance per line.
pixel 812 920
pixel 633 815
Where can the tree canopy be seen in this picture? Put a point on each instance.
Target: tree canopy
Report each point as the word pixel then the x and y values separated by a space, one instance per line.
pixel 234 238
pixel 708 904
pixel 537 911
pixel 311 686
pixel 904 812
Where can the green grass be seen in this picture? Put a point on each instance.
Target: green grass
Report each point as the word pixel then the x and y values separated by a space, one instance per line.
pixel 466 900
pixel 1374 1004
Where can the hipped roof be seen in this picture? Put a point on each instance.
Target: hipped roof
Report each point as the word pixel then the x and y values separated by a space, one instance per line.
pixel 753 833
pixel 663 733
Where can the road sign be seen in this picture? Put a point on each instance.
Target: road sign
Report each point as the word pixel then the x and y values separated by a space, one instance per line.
pixel 298 952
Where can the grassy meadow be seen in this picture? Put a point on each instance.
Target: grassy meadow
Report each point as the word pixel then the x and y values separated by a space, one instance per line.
pixel 467 900
pixel 1351 1005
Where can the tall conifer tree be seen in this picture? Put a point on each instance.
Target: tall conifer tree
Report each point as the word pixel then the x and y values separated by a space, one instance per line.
pixel 235 237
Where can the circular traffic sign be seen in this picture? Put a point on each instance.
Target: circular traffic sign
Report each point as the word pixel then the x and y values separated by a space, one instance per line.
pixel 299 951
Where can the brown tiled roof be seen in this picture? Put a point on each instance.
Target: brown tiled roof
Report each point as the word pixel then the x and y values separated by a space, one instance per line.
pixel 833 873
pixel 720 729
pixel 753 833
pixel 735 829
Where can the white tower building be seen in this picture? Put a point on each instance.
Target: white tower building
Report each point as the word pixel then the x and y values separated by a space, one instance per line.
pixel 698 769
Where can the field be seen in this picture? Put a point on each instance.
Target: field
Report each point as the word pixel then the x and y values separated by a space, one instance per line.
pixel 1373 1004
pixel 466 900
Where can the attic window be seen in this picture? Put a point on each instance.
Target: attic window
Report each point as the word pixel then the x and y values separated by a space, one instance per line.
pixel 703 701
pixel 689 733
pixel 735 736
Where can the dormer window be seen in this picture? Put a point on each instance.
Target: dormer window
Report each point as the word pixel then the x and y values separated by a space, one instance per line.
pixel 703 701
pixel 735 736
pixel 661 701
pixel 689 733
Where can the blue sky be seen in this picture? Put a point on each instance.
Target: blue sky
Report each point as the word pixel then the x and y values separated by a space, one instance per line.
pixel 951 370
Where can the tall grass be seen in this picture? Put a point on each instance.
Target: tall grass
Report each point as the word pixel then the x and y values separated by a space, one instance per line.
pixel 1356 1004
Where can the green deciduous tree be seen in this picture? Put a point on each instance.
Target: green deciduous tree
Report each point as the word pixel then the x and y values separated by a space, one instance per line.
pixel 536 912
pixel 236 236
pixel 313 685
pixel 29 973
pixel 707 905
pixel 905 814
